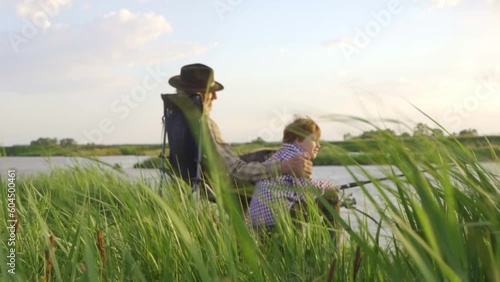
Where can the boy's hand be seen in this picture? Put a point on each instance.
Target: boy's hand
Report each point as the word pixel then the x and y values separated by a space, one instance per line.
pixel 331 193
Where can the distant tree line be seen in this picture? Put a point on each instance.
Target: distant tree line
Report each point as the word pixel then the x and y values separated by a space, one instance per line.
pixel 53 142
pixel 418 131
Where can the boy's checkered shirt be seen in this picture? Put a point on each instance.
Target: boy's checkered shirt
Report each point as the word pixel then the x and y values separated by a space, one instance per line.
pixel 281 190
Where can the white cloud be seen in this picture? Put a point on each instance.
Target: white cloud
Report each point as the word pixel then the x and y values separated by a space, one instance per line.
pixel 338 42
pixel 39 12
pixel 444 3
pixel 91 56
pixel 282 52
pixel 438 4
pixel 87 6
pixel 133 30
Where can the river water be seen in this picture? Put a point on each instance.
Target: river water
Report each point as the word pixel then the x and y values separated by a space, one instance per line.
pixel 29 166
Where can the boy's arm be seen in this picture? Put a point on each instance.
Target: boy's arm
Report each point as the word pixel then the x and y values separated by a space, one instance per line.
pixel 325 185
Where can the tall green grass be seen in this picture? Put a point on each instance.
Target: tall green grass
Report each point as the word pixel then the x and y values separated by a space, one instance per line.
pixel 444 215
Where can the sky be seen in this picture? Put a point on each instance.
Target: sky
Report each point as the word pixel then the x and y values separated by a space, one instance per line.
pixel 94 70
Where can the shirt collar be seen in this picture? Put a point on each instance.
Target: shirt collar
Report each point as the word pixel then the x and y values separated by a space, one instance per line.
pixel 293 147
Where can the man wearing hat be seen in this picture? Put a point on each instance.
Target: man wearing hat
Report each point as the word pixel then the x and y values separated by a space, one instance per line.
pixel 199 78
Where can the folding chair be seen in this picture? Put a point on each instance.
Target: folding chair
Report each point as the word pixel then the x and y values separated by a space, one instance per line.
pixel 183 128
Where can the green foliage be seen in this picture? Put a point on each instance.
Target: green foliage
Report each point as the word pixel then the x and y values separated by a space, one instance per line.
pixel 129 151
pixel 359 150
pixel 375 133
pixel 444 217
pixel 67 142
pixel 487 154
pixel 422 130
pixel 149 163
pixel 82 150
pixel 468 133
pixel 44 142
pixel 336 155
pixel 37 150
pixel 259 141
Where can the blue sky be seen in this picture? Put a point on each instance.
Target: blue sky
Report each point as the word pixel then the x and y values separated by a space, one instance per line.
pixel 94 70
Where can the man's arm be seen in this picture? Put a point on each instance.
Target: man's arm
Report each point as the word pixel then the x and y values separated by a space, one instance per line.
pixel 253 171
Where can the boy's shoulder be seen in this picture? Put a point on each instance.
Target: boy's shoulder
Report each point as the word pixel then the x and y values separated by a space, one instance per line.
pixel 287 151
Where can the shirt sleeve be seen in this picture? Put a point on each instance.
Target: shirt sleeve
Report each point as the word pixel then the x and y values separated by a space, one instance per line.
pixel 323 185
pixel 237 168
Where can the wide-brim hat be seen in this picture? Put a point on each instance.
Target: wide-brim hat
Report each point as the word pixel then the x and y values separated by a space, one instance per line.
pixel 195 78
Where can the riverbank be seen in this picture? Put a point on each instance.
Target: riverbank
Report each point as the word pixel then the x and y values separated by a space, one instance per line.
pixel 367 152
pixel 485 148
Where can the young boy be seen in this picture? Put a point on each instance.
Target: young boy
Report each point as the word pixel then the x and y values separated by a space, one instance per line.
pixel 285 191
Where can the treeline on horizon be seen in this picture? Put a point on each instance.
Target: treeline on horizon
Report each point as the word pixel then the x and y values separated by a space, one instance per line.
pixel 362 148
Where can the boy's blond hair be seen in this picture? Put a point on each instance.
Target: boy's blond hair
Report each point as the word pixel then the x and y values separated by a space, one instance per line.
pixel 299 129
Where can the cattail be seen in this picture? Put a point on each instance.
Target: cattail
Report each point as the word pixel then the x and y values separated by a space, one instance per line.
pixel 48 268
pixel 83 268
pixel 48 257
pixel 357 263
pixel 100 246
pixel 333 269
pixel 16 225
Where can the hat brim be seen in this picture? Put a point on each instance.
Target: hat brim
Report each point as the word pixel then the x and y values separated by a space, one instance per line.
pixel 176 82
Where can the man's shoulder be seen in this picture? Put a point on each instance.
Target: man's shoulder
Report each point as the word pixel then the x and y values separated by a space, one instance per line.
pixel 214 129
pixel 211 123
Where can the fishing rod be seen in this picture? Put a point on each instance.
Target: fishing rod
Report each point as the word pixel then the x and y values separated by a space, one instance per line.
pixel 359 183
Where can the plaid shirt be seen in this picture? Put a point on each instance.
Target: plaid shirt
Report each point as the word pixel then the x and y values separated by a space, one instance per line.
pixel 281 190
pixel 237 168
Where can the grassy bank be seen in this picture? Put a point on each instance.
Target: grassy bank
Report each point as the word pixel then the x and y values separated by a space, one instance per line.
pixel 82 150
pixel 90 224
pixel 332 150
